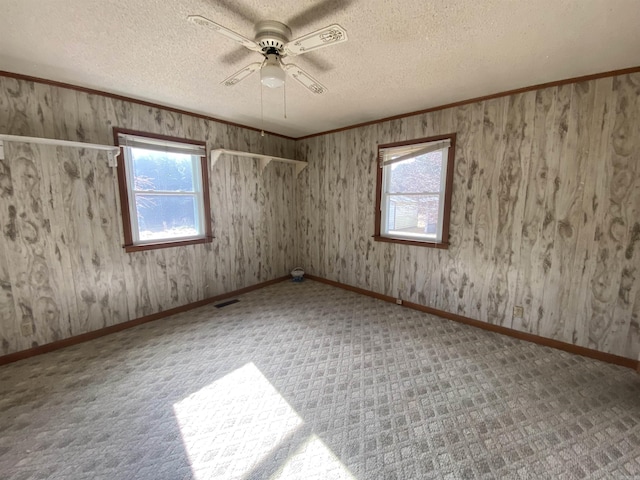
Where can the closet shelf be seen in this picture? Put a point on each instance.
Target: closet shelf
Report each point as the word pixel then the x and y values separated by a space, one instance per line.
pixel 263 159
pixel 113 151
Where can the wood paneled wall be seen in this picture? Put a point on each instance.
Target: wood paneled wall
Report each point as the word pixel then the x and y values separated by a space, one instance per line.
pixel 545 214
pixel 62 267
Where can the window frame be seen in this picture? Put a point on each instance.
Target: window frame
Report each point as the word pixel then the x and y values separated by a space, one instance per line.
pixel 445 208
pixel 126 188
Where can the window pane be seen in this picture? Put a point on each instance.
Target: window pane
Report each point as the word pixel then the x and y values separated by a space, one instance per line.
pixel 416 175
pixel 166 216
pixel 169 172
pixel 413 216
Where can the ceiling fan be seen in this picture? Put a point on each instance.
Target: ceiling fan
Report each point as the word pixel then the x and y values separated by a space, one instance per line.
pixel 272 42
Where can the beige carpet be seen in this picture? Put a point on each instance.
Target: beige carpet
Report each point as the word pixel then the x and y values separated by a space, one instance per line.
pixel 307 381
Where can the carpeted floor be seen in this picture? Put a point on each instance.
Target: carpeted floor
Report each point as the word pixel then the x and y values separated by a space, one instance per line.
pixel 307 381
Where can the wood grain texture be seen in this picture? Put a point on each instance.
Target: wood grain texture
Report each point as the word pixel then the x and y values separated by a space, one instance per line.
pixel 85 337
pixel 42 298
pixel 28 79
pixel 533 267
pixel 62 266
pixel 567 347
pixel 545 211
pixel 616 327
pixel 508 93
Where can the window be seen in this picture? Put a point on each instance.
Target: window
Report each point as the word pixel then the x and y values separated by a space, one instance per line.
pixel 163 191
pixel 414 191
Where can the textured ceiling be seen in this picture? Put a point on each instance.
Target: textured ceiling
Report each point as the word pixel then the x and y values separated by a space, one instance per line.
pixel 401 56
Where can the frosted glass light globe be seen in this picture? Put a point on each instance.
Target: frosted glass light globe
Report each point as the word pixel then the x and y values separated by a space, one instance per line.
pixel 272 75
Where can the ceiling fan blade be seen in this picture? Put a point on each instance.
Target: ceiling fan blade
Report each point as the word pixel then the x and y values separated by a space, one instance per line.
pixel 318 12
pixel 246 13
pixel 305 79
pixel 319 64
pixel 241 75
pixel 324 37
pixel 235 56
pixel 244 41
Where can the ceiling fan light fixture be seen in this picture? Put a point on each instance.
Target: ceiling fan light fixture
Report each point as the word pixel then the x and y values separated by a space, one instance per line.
pixel 273 43
pixel 272 75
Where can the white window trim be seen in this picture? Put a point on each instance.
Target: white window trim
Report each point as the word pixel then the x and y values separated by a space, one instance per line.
pixel 394 155
pixel 198 192
pixel 160 145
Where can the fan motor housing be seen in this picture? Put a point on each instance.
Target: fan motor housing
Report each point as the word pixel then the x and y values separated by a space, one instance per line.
pixel 271 34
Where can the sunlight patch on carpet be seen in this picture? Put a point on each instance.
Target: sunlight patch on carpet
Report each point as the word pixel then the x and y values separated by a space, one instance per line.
pixel 313 460
pixel 229 426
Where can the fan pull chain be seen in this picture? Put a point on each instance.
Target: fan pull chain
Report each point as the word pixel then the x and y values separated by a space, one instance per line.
pixel 262 108
pixel 284 98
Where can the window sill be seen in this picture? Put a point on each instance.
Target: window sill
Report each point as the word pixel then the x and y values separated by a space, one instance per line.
pixel 154 246
pixel 417 243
